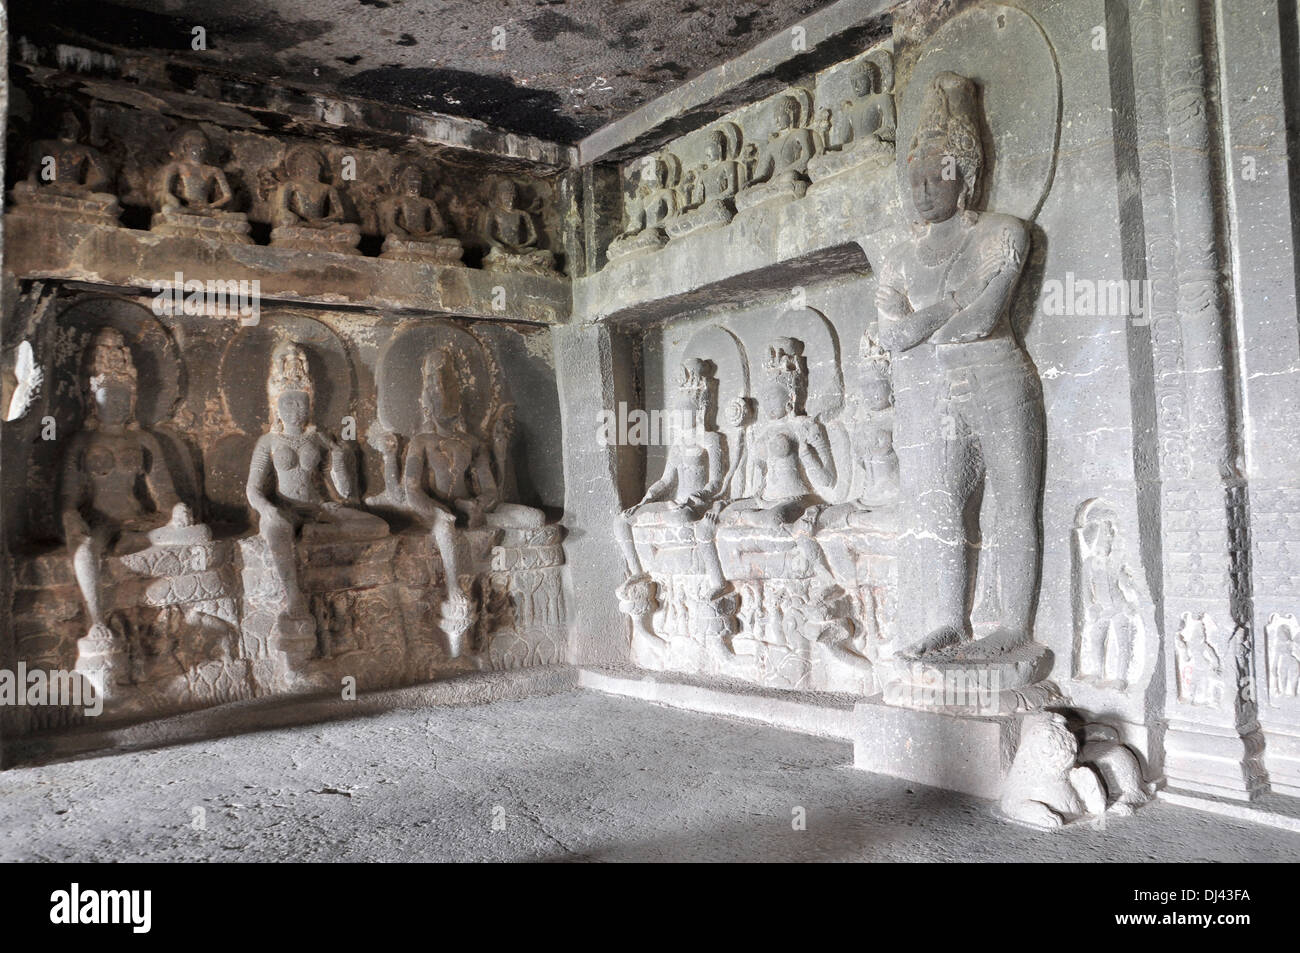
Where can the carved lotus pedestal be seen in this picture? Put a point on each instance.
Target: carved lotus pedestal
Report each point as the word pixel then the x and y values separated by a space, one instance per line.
pixel 435 251
pixel 971 678
pixel 339 238
pixel 171 642
pixel 713 214
pixel 354 629
pixel 91 208
pixel 218 226
pixel 640 243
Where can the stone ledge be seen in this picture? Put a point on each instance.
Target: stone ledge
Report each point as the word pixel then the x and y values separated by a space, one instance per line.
pixel 970 755
pixel 270 713
pixel 50 248
pixel 811 713
pixel 1270 810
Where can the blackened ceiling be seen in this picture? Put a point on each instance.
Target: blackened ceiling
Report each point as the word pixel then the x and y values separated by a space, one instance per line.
pixel 567 66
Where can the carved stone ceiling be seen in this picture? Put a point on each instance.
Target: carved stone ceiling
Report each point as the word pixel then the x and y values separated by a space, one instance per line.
pixel 568 66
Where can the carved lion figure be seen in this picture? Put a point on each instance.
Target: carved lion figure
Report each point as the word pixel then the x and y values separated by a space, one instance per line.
pixel 1053 781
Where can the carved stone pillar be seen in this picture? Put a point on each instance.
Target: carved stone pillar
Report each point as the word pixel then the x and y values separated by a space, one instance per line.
pixel 1213 742
pixel 1258 40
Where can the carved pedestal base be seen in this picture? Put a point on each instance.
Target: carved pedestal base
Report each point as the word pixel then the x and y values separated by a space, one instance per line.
pixel 714 214
pixel 171 642
pixel 628 246
pixel 768 193
pixel 94 208
pixel 535 262
pixel 341 239
pixel 436 251
pixel 514 610
pixel 354 628
pixel 863 156
pixel 967 680
pixel 218 226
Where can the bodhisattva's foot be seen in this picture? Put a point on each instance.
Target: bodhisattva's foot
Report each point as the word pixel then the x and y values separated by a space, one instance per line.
pixel 941 638
pixel 1001 641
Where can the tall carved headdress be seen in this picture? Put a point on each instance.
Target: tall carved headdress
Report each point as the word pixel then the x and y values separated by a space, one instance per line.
pixel 108 360
pixel 949 125
pixel 789 368
pixel 694 381
pixel 289 372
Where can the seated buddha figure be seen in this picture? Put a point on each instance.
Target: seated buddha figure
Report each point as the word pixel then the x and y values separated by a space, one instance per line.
pixel 778 166
pixel 116 492
pixel 68 177
pixel 511 234
pixel 287 478
pixel 192 195
pixel 714 185
pixel 308 213
pixel 449 482
pixel 414 226
pixel 864 127
pixel 653 205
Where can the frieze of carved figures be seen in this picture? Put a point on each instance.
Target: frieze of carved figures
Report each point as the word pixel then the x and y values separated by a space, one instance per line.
pixel 944 298
pixel 413 225
pixel 308 212
pixel 156 588
pixel 1067 773
pixel 68 177
pixel 777 167
pixel 511 233
pixel 1283 634
pixel 191 196
pixel 765 549
pixel 862 129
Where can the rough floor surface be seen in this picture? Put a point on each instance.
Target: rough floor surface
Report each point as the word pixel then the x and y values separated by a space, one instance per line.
pixel 578 776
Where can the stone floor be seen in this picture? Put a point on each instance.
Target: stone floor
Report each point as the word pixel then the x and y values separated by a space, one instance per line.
pixel 576 776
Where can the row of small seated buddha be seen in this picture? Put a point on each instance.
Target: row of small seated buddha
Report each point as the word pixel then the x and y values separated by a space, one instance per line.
pixel 122 515
pixel 745 511
pixel 192 197
pixel 804 145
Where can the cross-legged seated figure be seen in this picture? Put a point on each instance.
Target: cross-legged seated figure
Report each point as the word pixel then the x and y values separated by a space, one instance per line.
pixel 287 478
pixel 116 489
pixel 448 479
pixel 972 421
pixel 192 196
